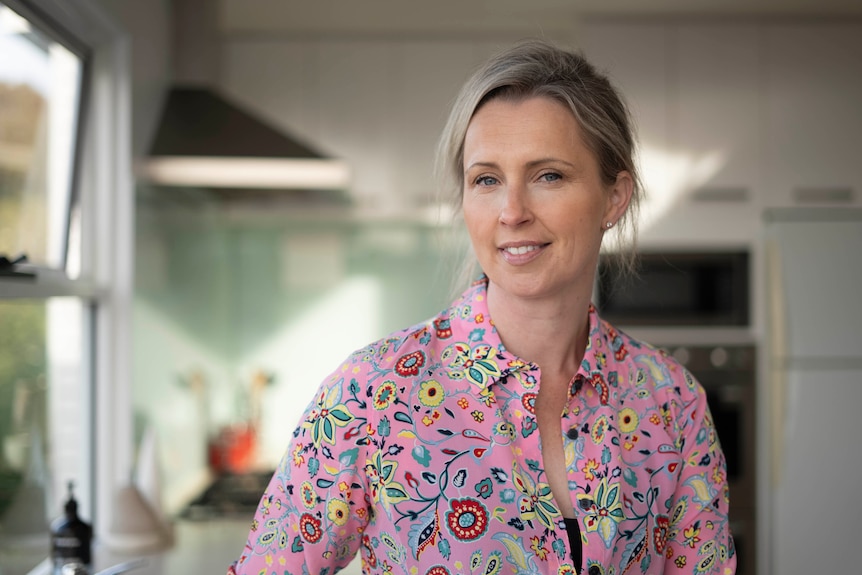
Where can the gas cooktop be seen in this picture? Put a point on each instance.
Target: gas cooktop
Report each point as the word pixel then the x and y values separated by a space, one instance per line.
pixel 229 496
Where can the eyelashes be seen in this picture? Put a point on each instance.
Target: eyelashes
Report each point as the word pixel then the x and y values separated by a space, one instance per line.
pixel 486 180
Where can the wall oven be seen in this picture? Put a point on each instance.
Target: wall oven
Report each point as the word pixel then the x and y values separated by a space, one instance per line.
pixel 696 305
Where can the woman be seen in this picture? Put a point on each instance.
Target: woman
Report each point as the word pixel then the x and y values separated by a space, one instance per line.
pixel 517 431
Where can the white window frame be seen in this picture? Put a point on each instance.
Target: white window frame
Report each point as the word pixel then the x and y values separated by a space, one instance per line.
pixel 106 192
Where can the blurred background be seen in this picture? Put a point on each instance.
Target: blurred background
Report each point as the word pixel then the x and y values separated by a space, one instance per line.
pixel 219 200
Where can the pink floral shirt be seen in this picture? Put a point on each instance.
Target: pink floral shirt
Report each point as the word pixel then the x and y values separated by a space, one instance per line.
pixel 422 453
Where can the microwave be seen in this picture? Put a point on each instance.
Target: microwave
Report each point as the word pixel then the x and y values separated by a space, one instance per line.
pixel 677 288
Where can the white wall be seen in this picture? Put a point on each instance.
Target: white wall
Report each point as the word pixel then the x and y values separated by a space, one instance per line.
pixel 148 25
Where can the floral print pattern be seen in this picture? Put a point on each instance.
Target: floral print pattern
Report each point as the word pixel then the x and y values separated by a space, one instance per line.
pixel 422 453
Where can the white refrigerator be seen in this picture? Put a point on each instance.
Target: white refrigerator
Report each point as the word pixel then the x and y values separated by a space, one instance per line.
pixel 813 394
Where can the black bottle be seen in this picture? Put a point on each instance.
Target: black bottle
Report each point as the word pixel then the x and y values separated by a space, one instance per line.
pixel 71 538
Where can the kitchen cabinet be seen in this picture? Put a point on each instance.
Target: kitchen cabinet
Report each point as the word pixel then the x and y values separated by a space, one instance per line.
pixel 718 104
pixel 812 124
pixel 635 56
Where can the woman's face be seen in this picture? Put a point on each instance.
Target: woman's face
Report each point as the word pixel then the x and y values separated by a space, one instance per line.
pixel 534 201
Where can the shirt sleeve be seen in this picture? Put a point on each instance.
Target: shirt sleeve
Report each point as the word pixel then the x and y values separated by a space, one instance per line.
pixel 699 539
pixel 312 515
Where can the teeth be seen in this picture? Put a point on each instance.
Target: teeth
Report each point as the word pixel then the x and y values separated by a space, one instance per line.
pixel 521 250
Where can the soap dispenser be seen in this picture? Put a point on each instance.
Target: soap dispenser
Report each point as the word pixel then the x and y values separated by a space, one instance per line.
pixel 71 538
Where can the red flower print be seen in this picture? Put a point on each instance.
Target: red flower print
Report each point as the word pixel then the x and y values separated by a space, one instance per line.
pixel 599 383
pixel 660 533
pixel 370 558
pixel 528 400
pixel 443 328
pixel 468 519
pixel 409 364
pixel 437 570
pixel 309 527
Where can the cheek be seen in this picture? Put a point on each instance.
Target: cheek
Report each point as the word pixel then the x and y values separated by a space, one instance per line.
pixel 474 220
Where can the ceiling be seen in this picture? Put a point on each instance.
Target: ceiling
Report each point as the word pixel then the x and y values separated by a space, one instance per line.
pixel 441 17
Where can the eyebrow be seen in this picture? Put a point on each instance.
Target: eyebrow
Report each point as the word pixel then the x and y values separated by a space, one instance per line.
pixel 530 164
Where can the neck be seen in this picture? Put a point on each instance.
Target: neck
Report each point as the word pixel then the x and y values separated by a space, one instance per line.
pixel 551 333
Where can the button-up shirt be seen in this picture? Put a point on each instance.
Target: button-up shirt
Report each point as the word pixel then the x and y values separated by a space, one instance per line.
pixel 422 452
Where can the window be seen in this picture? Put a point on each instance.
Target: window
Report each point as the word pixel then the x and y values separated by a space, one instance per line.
pixel 65 192
pixel 40 88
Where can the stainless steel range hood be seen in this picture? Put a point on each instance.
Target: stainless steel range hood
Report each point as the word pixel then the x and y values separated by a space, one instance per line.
pixel 206 141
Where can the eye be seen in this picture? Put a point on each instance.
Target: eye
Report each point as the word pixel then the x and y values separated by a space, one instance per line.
pixel 550 177
pixel 485 181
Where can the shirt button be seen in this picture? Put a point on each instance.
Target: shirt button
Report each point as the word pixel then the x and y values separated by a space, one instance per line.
pixel 594 570
pixel 572 433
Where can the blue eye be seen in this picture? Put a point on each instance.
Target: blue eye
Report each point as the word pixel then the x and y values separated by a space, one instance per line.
pixel 486 181
pixel 550 177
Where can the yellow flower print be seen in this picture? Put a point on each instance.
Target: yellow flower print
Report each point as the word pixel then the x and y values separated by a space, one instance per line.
pixel 338 511
pixel 464 403
pixel 692 535
pixel 478 416
pixel 307 494
pixel 536 500
pixel 598 430
pixel 487 396
pixel 298 457
pixel 381 474
pixel 385 395
pixel 628 420
pixel 589 467
pixel 538 548
pixel 431 393
pixel 476 364
pixel 329 415
pixel 604 510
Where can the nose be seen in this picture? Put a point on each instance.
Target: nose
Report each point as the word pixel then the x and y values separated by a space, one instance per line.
pixel 515 209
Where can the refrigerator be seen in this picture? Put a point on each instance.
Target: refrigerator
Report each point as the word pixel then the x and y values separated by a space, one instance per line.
pixel 813 395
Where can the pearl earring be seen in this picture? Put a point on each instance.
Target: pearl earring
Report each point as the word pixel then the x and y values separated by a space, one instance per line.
pixel 609 225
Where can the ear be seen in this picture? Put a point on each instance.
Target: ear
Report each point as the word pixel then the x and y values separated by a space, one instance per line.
pixel 619 196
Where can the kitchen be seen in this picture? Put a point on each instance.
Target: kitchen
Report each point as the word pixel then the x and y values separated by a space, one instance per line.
pixel 740 113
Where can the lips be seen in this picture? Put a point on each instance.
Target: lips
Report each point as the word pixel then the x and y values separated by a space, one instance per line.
pixel 520 250
pixel 521 253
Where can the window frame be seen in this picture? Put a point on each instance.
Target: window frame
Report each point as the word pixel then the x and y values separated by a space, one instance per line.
pixel 104 191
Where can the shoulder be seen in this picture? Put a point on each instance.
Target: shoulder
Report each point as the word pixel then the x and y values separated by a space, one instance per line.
pixel 405 351
pixel 651 368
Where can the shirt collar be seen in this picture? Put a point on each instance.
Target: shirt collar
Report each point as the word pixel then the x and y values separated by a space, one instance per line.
pixel 470 321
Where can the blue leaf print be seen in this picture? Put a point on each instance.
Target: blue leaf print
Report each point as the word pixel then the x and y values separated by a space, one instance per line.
pixel 630 476
pixel 421 455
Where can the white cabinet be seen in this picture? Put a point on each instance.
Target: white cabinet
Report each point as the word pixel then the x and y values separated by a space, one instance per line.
pixel 635 58
pixel 714 135
pixel 717 111
pixel 812 118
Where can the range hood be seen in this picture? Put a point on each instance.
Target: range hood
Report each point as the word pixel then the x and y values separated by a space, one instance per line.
pixel 206 141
